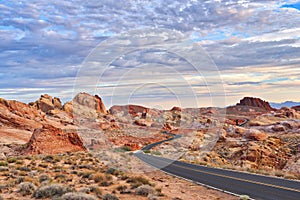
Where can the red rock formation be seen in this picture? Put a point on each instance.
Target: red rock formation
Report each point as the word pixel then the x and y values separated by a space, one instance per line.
pixel 256 135
pixel 91 102
pixel 175 108
pixel 19 115
pixel 131 109
pixel 297 108
pixel 46 103
pixel 52 140
pixel 255 102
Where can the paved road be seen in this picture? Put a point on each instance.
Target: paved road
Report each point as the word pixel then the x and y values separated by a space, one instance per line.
pixel 256 186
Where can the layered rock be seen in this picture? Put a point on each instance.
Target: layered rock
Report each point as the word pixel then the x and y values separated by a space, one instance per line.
pixel 133 110
pixel 85 105
pixel 19 115
pixel 285 112
pixel 46 103
pixel 256 135
pixel 52 140
pixel 91 102
pixel 255 102
pixel 297 108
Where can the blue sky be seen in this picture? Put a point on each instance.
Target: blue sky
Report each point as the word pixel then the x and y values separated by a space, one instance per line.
pixel 254 44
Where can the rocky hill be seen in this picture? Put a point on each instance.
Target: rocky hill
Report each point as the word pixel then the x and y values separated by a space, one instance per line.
pixel 255 102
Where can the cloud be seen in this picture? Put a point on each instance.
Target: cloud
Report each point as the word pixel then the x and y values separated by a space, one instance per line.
pixel 44 43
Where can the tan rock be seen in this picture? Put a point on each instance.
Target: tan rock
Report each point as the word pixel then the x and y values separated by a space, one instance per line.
pixel 254 134
pixel 143 122
pixel 279 128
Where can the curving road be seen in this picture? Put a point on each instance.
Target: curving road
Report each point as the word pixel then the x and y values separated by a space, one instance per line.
pixel 256 186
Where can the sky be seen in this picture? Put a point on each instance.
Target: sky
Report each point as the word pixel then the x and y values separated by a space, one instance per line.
pixel 155 53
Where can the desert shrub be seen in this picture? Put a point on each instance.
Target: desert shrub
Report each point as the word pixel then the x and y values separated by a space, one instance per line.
pixel 11 160
pixel 20 162
pixel 24 169
pixel 77 196
pixel 49 191
pixel 85 174
pixel 156 153
pixel 98 177
pixel 144 190
pixel 43 165
pixel 113 171
pixel 44 177
pixel 138 181
pixel 2 163
pixel 126 148
pixel 244 197
pixel 110 197
pixel 3 169
pixel 147 151
pixel 121 188
pixel 97 191
pixel 152 197
pixel 26 188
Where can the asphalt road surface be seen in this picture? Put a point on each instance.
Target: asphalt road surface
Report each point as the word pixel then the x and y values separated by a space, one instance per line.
pixel 256 186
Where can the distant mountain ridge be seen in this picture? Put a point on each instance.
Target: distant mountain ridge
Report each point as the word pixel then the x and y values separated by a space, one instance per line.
pixel 288 104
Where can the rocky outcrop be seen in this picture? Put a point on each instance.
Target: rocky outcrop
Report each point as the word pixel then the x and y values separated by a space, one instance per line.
pixel 52 140
pixel 133 110
pixel 175 108
pixel 285 112
pixel 89 101
pixel 254 134
pixel 143 122
pixel 255 102
pixel 297 108
pixel 46 103
pixel 19 115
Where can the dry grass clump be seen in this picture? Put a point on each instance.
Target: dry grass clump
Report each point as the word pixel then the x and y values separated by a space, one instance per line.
pixel 144 190
pixel 77 196
pixel 26 188
pixel 110 197
pixel 50 191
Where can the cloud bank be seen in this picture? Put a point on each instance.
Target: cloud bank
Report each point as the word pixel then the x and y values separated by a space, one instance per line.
pixel 254 43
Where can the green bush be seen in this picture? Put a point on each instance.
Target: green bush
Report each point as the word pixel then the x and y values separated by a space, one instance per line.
pixel 244 197
pixel 11 159
pixel 26 188
pixel 3 163
pixel 50 191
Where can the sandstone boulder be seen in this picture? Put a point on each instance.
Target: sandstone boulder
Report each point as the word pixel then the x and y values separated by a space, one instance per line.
pixel 255 134
pixel 279 128
pixel 52 140
pixel 143 122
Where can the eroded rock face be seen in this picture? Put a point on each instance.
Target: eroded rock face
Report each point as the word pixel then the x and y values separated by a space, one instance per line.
pixel 46 103
pixel 254 134
pixel 52 140
pixel 255 102
pixel 19 115
pixel 297 108
pixel 89 101
pixel 285 112
pixel 133 110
